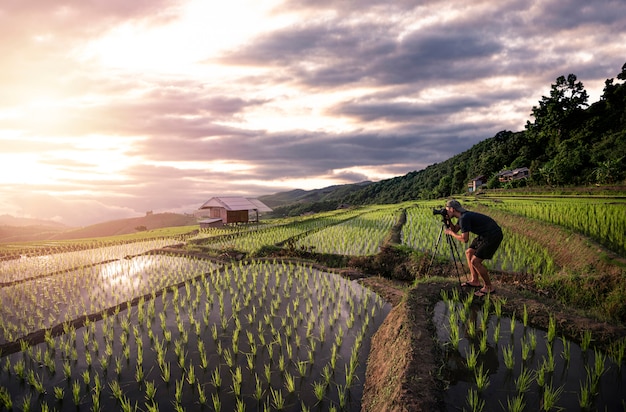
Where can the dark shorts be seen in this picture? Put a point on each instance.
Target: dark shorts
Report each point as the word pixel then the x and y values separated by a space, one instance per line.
pixel 486 246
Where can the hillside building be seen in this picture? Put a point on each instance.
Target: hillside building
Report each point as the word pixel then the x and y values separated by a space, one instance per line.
pixel 475 183
pixel 219 211
pixel 515 174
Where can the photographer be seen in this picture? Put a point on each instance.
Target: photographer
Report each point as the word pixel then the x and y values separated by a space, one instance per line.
pixel 487 241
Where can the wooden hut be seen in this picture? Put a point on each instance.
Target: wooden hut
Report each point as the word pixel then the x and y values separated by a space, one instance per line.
pixel 231 210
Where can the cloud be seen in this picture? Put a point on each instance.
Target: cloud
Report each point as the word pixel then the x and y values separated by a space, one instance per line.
pixel 120 107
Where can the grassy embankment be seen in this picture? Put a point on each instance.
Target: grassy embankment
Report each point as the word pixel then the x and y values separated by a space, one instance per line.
pixel 589 276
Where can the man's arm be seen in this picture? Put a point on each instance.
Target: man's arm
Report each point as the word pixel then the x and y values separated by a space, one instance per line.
pixel 463 237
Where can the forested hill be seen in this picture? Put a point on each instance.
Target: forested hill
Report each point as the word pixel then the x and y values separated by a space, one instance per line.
pixel 567 142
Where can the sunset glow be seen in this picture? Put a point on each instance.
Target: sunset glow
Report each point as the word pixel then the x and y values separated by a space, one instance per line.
pixel 108 109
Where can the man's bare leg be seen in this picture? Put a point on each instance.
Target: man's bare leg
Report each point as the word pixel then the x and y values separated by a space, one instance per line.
pixel 469 254
pixel 477 264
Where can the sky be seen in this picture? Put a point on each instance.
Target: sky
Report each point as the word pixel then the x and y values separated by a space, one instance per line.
pixel 112 108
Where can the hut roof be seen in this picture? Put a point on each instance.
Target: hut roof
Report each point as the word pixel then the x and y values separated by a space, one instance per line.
pixel 236 203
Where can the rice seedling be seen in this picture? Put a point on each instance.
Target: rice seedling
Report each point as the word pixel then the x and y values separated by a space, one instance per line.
pixel 475 402
pixel 59 393
pixel 178 394
pixel 549 361
pixel 540 374
pixel 290 382
pixel 481 379
pixel 127 406
pixel 86 377
pixel 551 329
pixel 76 392
pixel 327 374
pixel 526 349
pixel 302 367
pixel 598 370
pixel 350 375
pixel 524 381
pixel 483 343
pixel 216 378
pixel 191 374
pixel 496 332
pixel 342 393
pixel 97 387
pixel 118 365
pixel 471 358
pixel 166 373
pixel 150 391
pixel 116 390
pixel 5 399
pixel 586 340
pixel 471 329
pixel 516 404
pixel 585 395
pixel 565 354
pixel 550 397
pixel 202 398
pixel 484 319
pixel 139 374
pixel 319 390
pixel 26 402
pixel 512 323
pixel 617 350
pixel 509 357
pixel 217 404
pixel 278 401
pixel 36 382
pixel 533 341
pixel 455 336
pixel 258 389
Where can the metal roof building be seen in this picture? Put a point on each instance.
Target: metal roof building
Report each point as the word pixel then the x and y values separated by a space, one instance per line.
pixel 232 209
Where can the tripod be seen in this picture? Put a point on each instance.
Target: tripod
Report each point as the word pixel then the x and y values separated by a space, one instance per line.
pixel 452 246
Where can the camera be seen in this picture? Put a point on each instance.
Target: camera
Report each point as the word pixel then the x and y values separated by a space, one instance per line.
pixel 444 216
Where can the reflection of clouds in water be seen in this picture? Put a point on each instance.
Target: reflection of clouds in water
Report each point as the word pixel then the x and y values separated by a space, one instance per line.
pixel 123 273
pixel 41 303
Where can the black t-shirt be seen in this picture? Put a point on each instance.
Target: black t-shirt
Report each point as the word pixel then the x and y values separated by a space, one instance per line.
pixel 479 224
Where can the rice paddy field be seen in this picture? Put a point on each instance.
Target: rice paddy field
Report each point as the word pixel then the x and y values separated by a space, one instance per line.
pixel 131 327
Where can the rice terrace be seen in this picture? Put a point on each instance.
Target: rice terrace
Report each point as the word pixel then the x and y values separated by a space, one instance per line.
pixel 348 310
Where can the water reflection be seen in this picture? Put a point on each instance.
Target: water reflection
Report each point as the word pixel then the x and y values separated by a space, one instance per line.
pixel 41 303
pixel 123 273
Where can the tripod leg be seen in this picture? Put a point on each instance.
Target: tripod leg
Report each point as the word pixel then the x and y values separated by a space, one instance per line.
pixel 434 252
pixel 453 249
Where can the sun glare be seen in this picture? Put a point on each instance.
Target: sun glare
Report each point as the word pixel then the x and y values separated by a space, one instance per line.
pixel 25 169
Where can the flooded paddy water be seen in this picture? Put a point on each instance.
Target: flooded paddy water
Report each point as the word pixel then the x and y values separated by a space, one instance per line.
pixel 499 363
pixel 197 336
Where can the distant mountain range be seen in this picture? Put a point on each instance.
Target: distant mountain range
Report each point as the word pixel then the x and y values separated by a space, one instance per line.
pixel 8 220
pixel 13 229
pixel 299 196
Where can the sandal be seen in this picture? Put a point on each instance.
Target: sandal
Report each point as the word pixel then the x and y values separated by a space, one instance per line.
pixel 467 284
pixel 482 293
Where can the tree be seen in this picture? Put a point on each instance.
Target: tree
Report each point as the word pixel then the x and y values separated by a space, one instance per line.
pixel 614 99
pixel 558 114
pixel 608 171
